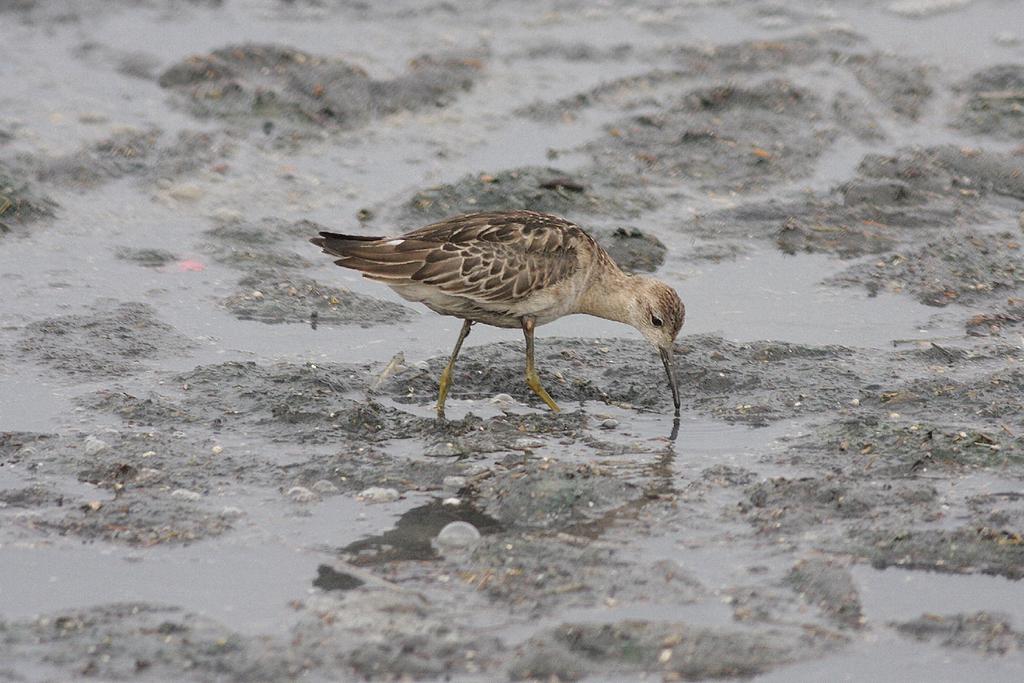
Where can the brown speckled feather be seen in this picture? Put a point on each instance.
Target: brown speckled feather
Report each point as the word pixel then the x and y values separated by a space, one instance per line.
pixel 485 257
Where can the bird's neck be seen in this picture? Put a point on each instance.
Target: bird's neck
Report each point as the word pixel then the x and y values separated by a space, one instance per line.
pixel 610 295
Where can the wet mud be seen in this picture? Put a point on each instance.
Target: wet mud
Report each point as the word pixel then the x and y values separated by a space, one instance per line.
pixel 219 455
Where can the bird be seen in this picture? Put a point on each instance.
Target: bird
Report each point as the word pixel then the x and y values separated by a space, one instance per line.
pixel 513 269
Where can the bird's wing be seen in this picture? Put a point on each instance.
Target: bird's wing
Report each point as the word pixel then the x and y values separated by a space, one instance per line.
pixel 486 257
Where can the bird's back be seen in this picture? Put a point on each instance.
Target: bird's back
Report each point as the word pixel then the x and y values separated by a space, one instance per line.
pixel 508 263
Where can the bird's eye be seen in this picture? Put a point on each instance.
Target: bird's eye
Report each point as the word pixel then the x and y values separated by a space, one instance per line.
pixel 656 321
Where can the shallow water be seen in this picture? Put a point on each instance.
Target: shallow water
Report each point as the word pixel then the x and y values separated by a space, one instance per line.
pixel 58 97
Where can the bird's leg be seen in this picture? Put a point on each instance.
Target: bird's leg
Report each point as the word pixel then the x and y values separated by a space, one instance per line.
pixel 532 379
pixel 446 376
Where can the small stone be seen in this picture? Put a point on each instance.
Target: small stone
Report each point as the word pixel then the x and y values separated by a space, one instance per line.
pixel 185 494
pixel 92 117
pixel 609 424
pixel 189 192
pixel 300 494
pixel 502 399
pixel 378 494
pixel 453 502
pixel 225 215
pixel 94 445
pixel 217 450
pixel 454 483
pixel 324 486
pixel 231 511
pixel 457 536
pixel 1006 39
pixel 94 505
pixel 855 402
pixel 148 475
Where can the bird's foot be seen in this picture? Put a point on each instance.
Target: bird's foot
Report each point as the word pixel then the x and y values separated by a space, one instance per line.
pixel 533 381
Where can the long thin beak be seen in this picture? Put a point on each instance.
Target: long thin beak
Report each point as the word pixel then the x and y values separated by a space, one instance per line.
pixel 670 370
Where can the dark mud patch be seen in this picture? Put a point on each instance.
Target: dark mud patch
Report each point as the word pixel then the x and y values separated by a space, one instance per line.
pixel 1004 318
pixel 413 535
pixel 671 650
pixel 967 550
pixel 961 268
pixel 946 171
pixel 724 138
pixel 723 62
pixel 144 519
pixel 784 505
pixel 255 83
pixel 332 639
pixel 893 201
pixel 289 402
pixel 147 258
pixel 261 244
pixel 830 587
pixel 633 249
pixel 128 640
pixel 390 634
pixel 543 573
pixel 753 383
pixel 553 494
pixel 895 81
pixel 549 190
pixel 984 632
pixel 876 446
pixel 994 103
pixel 853 115
pixel 20 203
pixel 274 299
pixel 111 339
pixel 30 497
pixel 140 153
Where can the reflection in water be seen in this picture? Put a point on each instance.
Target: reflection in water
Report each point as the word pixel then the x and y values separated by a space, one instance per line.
pixel 330 579
pixel 410 538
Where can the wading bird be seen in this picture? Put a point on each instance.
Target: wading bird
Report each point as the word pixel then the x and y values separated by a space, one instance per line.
pixel 515 269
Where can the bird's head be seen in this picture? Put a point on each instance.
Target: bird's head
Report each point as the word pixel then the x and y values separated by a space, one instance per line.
pixel 658 312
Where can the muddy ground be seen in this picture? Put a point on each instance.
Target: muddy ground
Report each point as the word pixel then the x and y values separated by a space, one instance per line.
pixel 218 454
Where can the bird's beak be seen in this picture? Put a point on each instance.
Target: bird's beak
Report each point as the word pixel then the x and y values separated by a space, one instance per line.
pixel 670 370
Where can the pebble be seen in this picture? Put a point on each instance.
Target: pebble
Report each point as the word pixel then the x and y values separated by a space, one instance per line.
pixel 225 215
pixel 377 494
pixel 92 117
pixel 924 8
pixel 231 511
pixel 609 424
pixel 453 501
pixel 148 475
pixel 457 536
pixel 185 494
pixel 94 445
pixel 503 399
pixel 1006 39
pixel 324 486
pixel 217 450
pixel 300 494
pixel 186 192
pixel 454 483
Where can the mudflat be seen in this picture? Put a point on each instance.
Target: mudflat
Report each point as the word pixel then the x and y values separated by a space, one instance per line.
pixel 218 452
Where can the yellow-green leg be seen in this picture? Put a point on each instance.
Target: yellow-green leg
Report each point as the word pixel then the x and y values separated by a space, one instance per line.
pixel 532 379
pixel 446 376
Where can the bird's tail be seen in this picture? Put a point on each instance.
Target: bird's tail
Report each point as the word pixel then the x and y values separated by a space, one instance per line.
pixel 338 245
